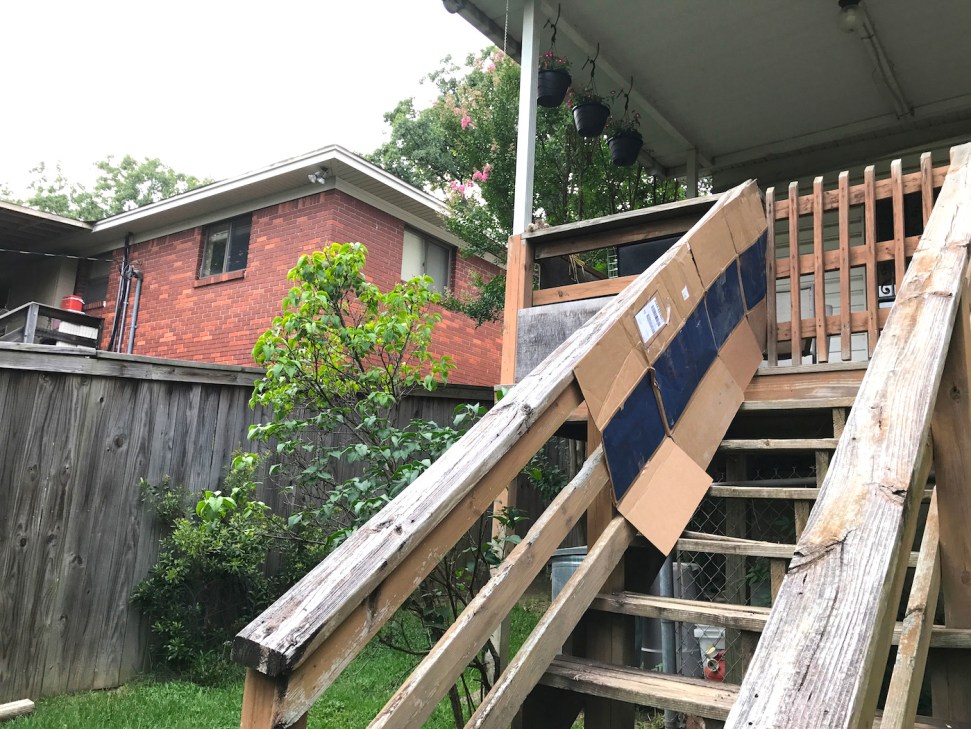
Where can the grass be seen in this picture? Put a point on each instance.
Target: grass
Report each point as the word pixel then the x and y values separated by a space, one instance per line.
pixel 354 699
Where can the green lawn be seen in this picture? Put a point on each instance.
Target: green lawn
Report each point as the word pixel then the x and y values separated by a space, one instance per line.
pixel 352 701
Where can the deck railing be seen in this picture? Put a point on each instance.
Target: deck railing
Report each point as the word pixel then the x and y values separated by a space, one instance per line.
pixel 821 659
pixel 35 323
pixel 838 230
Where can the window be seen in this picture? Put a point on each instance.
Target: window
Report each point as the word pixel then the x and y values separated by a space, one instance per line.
pixel 421 256
pixel 94 280
pixel 226 246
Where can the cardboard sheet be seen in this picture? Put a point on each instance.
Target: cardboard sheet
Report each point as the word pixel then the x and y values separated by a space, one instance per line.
pixel 611 371
pixel 664 496
pixel 710 411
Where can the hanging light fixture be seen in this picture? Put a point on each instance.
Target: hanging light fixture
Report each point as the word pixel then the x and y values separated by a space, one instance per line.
pixel 850 18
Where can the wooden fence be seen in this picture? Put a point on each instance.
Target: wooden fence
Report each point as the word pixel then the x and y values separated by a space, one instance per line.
pixel 78 428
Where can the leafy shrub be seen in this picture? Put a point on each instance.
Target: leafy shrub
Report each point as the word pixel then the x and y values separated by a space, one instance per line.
pixel 210 579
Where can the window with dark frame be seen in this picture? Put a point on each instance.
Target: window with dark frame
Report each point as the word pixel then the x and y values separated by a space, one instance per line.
pixel 423 256
pixel 226 246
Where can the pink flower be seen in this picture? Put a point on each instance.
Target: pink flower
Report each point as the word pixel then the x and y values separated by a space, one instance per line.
pixel 467 122
pixel 491 67
pixel 454 184
pixel 461 189
pixel 478 176
pixel 487 168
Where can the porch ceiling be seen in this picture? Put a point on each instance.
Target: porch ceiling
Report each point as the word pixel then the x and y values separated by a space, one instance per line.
pixel 765 79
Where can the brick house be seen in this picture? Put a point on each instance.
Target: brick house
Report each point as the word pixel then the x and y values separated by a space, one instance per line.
pixel 213 261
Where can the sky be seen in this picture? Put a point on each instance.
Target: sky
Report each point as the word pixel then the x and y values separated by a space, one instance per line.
pixel 212 88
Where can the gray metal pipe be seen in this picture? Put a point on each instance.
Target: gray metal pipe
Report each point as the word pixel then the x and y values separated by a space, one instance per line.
pixel 669 663
pixel 134 312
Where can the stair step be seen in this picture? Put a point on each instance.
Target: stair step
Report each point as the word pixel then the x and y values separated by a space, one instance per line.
pixel 718 544
pixel 692 696
pixel 796 403
pixel 739 617
pixel 778 444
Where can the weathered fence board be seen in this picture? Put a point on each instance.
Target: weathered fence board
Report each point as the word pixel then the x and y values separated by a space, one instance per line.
pixel 77 431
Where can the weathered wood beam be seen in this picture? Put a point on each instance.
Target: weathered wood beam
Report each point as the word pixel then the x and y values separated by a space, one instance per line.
pixel 14 709
pixel 414 701
pixel 526 669
pixel 900 708
pixel 834 612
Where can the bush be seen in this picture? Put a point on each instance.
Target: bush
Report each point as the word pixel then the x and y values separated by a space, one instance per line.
pixel 210 579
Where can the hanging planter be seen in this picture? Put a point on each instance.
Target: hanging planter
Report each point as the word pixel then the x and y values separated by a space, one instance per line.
pixel 590 118
pixel 554 72
pixel 552 86
pixel 624 148
pixel 623 136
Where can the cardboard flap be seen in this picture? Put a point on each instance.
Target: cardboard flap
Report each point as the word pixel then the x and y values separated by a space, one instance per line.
pixel 664 496
pixel 608 374
pixel 708 414
pixel 742 355
pixel 712 248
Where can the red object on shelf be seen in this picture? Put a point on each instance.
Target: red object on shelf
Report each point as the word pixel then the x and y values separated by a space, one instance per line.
pixel 72 303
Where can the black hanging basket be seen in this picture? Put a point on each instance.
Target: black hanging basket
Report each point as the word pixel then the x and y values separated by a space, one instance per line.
pixel 624 148
pixel 552 88
pixel 590 118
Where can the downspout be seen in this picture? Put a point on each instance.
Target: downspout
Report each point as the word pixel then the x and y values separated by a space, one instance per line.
pixel 121 298
pixel 668 647
pixel 134 312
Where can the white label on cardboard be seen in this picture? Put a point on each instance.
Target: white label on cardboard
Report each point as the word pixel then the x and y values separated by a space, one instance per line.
pixel 684 293
pixel 650 320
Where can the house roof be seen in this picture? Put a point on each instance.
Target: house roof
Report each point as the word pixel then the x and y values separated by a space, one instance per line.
pixel 279 182
pixel 748 83
pixel 29 229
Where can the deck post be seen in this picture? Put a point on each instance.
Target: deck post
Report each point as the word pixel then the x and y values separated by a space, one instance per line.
pixel 950 674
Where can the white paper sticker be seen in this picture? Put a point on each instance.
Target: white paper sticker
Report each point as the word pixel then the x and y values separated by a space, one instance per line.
pixel 684 293
pixel 650 320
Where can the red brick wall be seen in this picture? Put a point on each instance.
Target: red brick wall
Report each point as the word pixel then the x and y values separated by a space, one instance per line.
pixel 218 319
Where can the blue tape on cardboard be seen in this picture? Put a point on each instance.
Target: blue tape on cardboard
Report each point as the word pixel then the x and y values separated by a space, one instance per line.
pixel 633 435
pixel 724 303
pixel 681 366
pixel 752 270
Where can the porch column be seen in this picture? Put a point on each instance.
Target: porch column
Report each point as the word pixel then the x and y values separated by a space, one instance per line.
pixel 691 178
pixel 526 140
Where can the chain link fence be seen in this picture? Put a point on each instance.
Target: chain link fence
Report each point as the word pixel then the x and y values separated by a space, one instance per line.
pixel 713 652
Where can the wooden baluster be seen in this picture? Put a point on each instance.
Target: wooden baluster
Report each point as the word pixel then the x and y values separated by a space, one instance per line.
pixel 846 342
pixel 926 185
pixel 897 196
pixel 951 675
pixel 794 299
pixel 772 315
pixel 900 708
pixel 870 242
pixel 819 273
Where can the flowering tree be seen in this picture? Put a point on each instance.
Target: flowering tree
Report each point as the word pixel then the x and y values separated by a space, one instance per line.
pixel 463 147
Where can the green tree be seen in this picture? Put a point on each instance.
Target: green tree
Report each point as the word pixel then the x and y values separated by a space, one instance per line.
pixel 127 185
pixel 339 362
pixel 463 148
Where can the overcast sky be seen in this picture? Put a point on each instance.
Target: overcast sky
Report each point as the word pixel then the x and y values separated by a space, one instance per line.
pixel 213 88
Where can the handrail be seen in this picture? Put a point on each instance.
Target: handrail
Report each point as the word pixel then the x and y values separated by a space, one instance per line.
pixel 820 661
pixel 298 646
